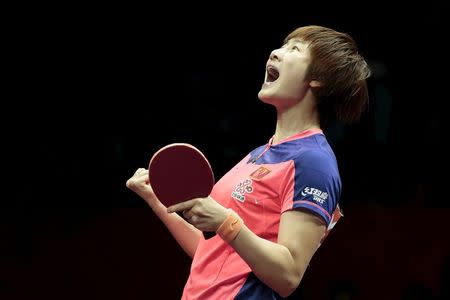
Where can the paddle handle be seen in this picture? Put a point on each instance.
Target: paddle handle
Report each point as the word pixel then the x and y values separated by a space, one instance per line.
pixel 208 234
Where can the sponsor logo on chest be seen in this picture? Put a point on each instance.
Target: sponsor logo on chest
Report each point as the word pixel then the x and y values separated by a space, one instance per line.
pixel 243 187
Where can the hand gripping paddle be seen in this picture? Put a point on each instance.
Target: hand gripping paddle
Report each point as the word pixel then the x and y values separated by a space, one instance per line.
pixel 179 172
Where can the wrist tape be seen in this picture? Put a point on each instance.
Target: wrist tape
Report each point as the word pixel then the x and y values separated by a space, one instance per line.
pixel 230 228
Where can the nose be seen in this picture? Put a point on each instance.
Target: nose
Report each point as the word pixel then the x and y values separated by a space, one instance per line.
pixel 275 55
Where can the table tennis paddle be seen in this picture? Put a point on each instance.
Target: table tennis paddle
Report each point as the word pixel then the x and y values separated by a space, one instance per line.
pixel 179 172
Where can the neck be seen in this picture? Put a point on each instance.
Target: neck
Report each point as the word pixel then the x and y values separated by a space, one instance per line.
pixel 295 119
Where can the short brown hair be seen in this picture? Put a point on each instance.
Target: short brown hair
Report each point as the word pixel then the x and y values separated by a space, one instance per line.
pixel 340 69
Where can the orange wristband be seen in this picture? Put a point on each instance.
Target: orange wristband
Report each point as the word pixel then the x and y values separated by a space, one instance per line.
pixel 230 228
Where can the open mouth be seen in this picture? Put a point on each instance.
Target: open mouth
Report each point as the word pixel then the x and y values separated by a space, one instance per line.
pixel 272 74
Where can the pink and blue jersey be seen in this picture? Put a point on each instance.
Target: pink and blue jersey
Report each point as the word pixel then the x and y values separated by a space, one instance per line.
pixel 299 172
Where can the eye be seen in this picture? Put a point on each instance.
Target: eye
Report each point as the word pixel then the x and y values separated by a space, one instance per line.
pixel 295 48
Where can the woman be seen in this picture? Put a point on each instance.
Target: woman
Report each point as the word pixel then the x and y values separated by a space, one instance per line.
pixel 274 208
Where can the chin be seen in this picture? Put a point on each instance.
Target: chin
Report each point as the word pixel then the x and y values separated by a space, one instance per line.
pixel 265 97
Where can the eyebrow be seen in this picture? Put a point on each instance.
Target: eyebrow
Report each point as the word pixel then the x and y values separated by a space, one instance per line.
pixel 295 40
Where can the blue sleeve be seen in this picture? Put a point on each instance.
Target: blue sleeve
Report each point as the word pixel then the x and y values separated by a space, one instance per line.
pixel 317 184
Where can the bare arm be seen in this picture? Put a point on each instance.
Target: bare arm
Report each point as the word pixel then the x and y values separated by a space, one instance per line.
pixel 298 239
pixel 279 265
pixel 184 233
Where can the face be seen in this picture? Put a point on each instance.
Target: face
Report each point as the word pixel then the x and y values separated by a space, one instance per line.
pixel 285 82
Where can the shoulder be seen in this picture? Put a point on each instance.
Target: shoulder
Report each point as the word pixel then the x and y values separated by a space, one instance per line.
pixel 318 159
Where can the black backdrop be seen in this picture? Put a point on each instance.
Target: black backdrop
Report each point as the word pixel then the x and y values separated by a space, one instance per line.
pixel 93 92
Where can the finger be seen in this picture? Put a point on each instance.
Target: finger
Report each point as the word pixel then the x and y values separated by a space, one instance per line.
pixel 182 206
pixel 193 220
pixel 141 171
pixel 143 175
pixel 187 214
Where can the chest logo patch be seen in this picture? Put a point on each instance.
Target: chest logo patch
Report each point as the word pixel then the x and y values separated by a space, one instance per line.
pixel 243 187
pixel 260 173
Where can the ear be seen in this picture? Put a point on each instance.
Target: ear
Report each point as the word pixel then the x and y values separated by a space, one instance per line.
pixel 315 84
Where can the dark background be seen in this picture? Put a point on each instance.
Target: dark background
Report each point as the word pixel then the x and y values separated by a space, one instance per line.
pixel 92 92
